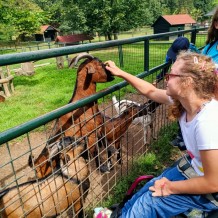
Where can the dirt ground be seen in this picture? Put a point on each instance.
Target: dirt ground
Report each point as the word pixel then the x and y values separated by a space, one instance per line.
pixel 14 156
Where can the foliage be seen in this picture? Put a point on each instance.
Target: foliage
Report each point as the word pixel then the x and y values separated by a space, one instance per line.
pixel 108 16
pixel 187 6
pixel 196 14
pixel 52 8
pixel 19 17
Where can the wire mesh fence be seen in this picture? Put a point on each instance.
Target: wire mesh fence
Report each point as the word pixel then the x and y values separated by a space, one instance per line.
pixel 40 177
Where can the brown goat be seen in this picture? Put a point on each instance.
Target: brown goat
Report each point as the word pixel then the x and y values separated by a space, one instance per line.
pixel 146 120
pixel 114 128
pixel 83 121
pixel 51 196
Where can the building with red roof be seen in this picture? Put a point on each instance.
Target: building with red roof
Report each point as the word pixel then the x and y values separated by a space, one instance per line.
pixel 169 23
pixel 46 33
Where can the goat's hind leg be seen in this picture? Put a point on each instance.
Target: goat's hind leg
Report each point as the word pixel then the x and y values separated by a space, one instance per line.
pixel 110 150
pixel 153 131
pixel 95 153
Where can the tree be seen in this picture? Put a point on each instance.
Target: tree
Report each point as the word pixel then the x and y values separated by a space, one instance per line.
pixel 52 8
pixel 108 16
pixel 19 18
pixel 197 14
pixel 203 5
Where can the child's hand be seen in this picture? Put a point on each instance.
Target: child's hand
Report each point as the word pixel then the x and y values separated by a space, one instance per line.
pixel 160 187
pixel 111 66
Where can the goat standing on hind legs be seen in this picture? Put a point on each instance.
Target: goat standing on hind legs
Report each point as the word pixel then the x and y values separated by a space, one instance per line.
pixel 84 121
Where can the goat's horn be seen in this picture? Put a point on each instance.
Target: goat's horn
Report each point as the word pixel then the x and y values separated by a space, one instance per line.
pixel 75 60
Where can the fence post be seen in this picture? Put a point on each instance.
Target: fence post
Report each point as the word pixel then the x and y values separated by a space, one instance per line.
pixel 4 82
pixel 180 34
pixel 120 52
pixel 146 55
pixel 193 35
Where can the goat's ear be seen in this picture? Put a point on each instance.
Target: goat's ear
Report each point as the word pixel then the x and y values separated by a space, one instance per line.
pixel 91 70
pixel 53 151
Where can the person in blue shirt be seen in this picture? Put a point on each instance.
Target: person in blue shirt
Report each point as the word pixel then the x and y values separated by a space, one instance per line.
pixel 211 48
pixel 181 43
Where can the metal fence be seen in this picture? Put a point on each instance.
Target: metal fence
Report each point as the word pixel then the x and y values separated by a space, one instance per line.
pixel 71 184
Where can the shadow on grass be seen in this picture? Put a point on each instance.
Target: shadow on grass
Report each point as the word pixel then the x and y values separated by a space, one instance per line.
pixel 26 81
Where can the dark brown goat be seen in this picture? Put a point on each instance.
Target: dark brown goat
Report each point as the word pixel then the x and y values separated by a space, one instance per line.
pixel 114 128
pixel 146 120
pixel 51 196
pixel 83 121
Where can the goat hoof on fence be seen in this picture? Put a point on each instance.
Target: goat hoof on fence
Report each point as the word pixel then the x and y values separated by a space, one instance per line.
pixel 104 169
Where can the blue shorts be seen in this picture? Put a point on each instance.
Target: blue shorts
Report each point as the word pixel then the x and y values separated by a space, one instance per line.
pixel 143 204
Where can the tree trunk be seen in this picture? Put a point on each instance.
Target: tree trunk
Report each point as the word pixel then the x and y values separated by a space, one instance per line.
pixel 115 36
pixel 106 37
pixel 109 35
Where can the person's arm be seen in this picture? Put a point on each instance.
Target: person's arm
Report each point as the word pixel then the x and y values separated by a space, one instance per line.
pixel 145 88
pixel 199 185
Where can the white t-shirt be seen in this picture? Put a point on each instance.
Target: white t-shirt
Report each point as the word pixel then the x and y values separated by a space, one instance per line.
pixel 201 133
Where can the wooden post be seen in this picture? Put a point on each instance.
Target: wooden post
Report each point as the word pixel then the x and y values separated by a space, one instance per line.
pixel 4 82
pixel 11 84
pixel 60 62
pixel 28 68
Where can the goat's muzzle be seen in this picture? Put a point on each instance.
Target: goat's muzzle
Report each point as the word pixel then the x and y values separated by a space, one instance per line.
pixel 110 77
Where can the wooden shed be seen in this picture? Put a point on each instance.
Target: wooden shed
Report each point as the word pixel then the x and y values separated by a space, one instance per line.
pixel 47 33
pixel 169 23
